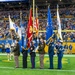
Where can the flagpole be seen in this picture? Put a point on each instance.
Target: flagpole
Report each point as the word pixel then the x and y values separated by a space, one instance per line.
pixel 38 26
pixel 36 12
pixel 33 12
pixel 20 15
pixel 37 21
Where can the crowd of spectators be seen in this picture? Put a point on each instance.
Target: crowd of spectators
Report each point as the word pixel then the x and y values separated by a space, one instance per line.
pixel 66 14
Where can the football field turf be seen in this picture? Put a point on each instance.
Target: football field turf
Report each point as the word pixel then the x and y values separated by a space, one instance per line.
pixel 7 67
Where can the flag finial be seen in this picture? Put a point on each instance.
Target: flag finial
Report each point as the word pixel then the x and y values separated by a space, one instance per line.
pixel 57 6
pixel 49 6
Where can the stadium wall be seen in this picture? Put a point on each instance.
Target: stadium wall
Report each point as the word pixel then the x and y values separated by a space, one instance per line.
pixel 65 43
pixel 46 47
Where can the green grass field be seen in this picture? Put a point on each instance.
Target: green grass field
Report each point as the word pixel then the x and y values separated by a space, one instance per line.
pixel 7 67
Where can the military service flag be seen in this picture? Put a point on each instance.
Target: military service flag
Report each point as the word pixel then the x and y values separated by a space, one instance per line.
pixel 30 29
pixel 49 29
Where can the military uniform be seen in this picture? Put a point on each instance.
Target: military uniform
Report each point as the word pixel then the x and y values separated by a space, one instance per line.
pixel 51 54
pixel 25 54
pixel 60 50
pixel 16 54
pixel 32 55
pixel 41 54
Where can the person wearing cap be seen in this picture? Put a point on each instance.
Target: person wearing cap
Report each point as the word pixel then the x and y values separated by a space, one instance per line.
pixel 51 53
pixel 60 49
pixel 25 54
pixel 32 55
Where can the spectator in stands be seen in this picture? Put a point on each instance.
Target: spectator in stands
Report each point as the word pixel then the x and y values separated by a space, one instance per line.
pixel 66 48
pixel 70 49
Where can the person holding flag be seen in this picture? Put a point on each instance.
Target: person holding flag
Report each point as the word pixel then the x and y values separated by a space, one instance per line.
pixel 30 42
pixel 59 45
pixel 24 49
pixel 60 49
pixel 25 54
pixel 49 39
pixel 32 55
pixel 51 52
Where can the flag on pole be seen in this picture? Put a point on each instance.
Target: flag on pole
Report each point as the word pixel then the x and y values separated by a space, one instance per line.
pixel 49 28
pixel 19 32
pixel 36 24
pixel 59 25
pixel 30 29
pixel 12 24
pixel 20 18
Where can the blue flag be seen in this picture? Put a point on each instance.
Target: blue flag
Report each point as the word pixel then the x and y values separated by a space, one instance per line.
pixel 49 28
pixel 22 40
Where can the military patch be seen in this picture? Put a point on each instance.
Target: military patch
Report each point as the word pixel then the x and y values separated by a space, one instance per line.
pixel 30 29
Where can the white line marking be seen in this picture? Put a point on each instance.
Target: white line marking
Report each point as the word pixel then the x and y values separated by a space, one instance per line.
pixel 7 68
pixel 40 69
pixel 55 70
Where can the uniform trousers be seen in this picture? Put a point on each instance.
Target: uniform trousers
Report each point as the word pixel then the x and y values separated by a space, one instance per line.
pixel 16 58
pixel 25 59
pixel 51 61
pixel 59 62
pixel 41 57
pixel 33 61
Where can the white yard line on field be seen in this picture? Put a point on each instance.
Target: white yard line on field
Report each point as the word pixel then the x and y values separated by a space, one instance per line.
pixel 7 68
pixel 41 69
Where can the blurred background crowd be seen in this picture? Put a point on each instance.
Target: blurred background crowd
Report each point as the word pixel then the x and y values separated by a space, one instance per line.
pixel 66 11
pixel 67 20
